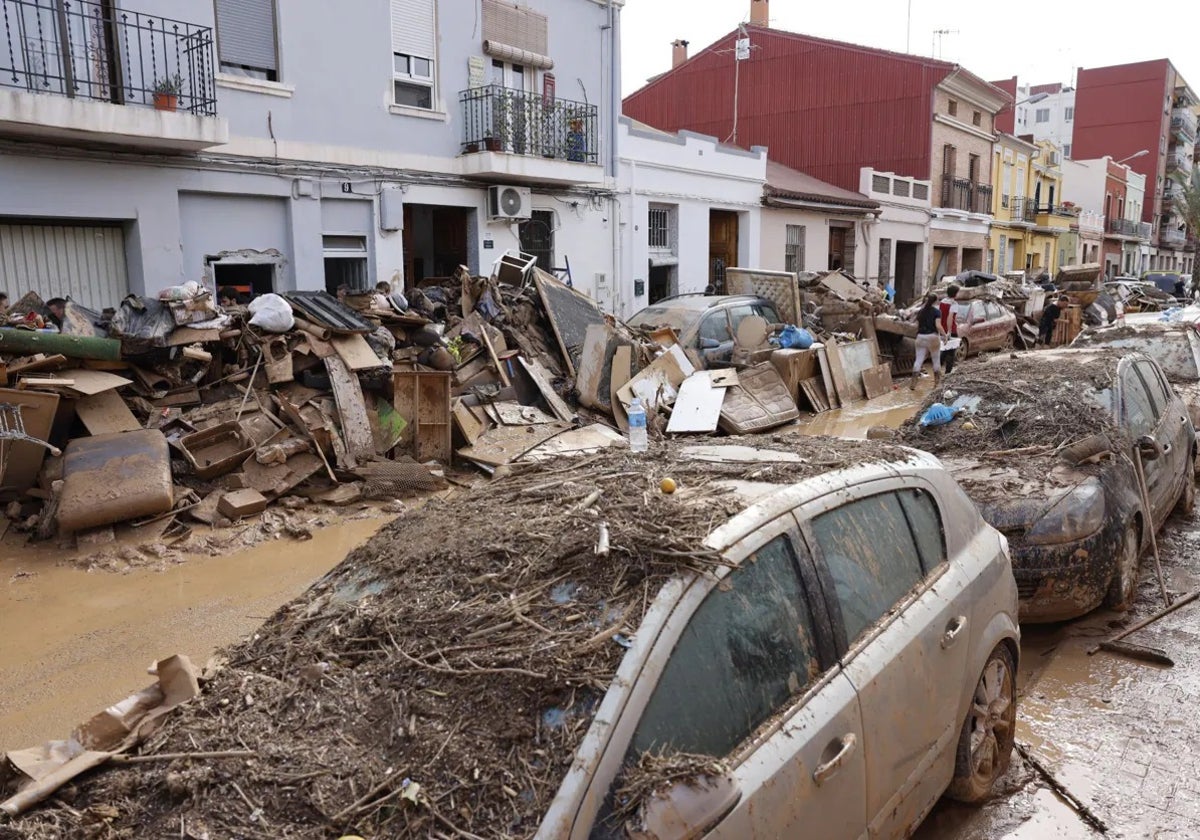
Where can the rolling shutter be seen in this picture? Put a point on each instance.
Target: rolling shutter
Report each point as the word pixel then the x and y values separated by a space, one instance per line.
pixel 83 262
pixel 514 33
pixel 414 27
pixel 246 33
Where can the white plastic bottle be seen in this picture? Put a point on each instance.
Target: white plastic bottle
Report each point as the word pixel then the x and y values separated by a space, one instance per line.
pixel 638 440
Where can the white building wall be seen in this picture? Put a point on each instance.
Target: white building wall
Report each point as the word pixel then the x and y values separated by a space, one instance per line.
pixel 904 217
pixel 1083 183
pixel 691 175
pixel 1058 128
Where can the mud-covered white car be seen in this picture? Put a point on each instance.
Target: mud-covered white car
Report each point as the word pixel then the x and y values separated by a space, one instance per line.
pixel 854 660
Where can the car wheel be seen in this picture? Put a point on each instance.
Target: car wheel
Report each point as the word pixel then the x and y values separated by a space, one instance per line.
pixel 964 349
pixel 1187 496
pixel 986 742
pixel 1008 343
pixel 1124 582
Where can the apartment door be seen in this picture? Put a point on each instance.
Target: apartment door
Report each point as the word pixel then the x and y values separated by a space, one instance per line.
pixel 722 246
pixel 837 248
pixel 906 271
pixel 435 241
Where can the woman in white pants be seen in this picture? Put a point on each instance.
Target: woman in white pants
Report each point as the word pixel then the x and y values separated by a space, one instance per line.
pixel 929 339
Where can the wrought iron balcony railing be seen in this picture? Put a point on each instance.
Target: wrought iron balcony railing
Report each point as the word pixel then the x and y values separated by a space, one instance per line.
pixel 965 194
pixel 500 119
pixel 1032 211
pixel 1124 227
pixel 90 49
pixel 1171 236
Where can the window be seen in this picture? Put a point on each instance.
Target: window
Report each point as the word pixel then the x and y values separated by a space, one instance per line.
pixel 659 228
pixel 414 66
pixel 1042 115
pixel 345 262
pixel 715 327
pixel 1138 409
pixel 926 524
pixel 246 38
pixel 746 651
pixel 1159 392
pixel 976 118
pixel 949 163
pixel 1066 150
pixel 793 249
pixel 871 556
pixel 973 168
pixel 952 108
pixel 1069 114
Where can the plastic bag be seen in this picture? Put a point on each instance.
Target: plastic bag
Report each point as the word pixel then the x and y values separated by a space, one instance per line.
pixel 187 291
pixel 795 337
pixel 272 313
pixel 937 415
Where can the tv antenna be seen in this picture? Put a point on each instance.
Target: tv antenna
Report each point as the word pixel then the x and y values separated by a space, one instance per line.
pixel 935 45
pixel 741 52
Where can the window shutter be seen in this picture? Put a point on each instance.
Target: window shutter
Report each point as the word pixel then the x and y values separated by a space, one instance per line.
pixel 414 28
pixel 246 33
pixel 519 29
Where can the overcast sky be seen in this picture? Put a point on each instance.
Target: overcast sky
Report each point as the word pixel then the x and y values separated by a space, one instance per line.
pixel 1045 43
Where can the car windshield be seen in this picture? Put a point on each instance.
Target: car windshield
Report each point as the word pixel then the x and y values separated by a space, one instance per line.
pixel 678 319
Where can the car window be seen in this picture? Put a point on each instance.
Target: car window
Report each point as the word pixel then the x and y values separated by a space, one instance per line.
pixel 748 648
pixel 737 313
pixel 1159 391
pixel 767 312
pixel 871 556
pixel 926 524
pixel 1138 410
pixel 715 327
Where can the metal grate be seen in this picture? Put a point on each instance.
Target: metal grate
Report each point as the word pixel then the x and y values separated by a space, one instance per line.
pixel 500 119
pixel 881 183
pixel 659 228
pixel 901 188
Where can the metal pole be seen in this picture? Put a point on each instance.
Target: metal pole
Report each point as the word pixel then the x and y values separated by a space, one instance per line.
pixel 908 30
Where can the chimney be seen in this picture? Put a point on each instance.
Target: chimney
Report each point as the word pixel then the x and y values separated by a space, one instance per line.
pixel 760 12
pixel 678 53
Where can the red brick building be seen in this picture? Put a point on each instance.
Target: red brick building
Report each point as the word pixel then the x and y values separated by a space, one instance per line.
pixel 1147 107
pixel 829 108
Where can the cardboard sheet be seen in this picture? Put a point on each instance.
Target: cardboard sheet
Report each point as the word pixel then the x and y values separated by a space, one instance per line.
pixel 355 352
pixel 583 441
pixel 622 371
pixel 659 381
pixel 88 382
pixel 105 412
pixel 506 444
pixel 877 381
pixel 698 406
pixel 541 378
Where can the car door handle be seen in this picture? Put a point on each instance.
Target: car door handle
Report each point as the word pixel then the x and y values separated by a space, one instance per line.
pixel 953 631
pixel 846 746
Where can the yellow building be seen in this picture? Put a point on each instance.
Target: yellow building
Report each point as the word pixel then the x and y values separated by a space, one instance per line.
pixel 1028 216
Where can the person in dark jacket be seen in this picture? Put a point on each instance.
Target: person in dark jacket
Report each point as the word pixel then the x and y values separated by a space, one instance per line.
pixel 1050 316
pixel 929 339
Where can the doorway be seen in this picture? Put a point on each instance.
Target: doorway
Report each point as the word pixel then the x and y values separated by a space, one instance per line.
pixel 537 238
pixel 972 259
pixel 907 254
pixel 722 246
pixel 249 280
pixel 435 241
pixel 662 282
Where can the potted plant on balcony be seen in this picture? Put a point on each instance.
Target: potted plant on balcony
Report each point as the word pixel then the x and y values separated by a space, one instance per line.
pixel 166 92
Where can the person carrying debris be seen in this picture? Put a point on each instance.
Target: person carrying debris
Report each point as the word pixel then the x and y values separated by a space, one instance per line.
pixel 949 325
pixel 1050 315
pixel 929 339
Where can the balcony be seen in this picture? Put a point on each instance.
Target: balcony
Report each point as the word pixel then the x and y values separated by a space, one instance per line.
pixel 967 195
pixel 1033 211
pixel 1172 237
pixel 84 71
pixel 1183 125
pixel 519 136
pixel 1124 227
pixel 1177 161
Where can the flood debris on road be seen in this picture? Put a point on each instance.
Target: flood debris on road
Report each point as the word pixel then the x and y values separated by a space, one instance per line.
pixel 467 661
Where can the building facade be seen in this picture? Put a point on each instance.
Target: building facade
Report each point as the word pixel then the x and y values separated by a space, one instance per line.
pixel 689 207
pixel 917 117
pixel 1046 112
pixel 900 231
pixel 138 150
pixel 809 225
pixel 1011 164
pixel 1143 113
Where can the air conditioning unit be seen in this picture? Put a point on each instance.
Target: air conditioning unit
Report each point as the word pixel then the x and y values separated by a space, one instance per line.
pixel 1055 158
pixel 508 203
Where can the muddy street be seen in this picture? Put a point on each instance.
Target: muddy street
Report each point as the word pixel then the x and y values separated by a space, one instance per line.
pixel 76 640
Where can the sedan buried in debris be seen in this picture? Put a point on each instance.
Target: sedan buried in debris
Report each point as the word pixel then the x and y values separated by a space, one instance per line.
pixel 705 324
pixel 1077 456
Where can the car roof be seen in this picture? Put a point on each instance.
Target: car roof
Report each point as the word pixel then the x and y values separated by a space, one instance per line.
pixel 701 302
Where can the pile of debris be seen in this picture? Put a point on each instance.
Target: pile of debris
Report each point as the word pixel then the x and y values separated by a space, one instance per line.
pixel 441 678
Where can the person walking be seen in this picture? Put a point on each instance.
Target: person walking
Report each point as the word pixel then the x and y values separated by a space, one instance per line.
pixel 929 339
pixel 949 316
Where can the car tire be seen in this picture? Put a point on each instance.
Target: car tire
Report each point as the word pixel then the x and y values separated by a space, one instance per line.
pixel 1123 588
pixel 985 744
pixel 1187 496
pixel 1009 342
pixel 964 349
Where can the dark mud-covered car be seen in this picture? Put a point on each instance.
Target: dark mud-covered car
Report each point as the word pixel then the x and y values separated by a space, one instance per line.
pixel 705 324
pixel 1048 446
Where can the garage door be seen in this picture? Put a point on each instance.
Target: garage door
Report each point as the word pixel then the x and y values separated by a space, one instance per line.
pixel 83 262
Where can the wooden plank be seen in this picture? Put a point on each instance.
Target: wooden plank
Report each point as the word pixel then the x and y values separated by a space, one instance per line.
pixel 589 384
pixel 355 352
pixel 106 412
pixel 855 357
pixel 190 335
pixel 827 376
pixel 622 365
pixel 877 381
pixel 814 391
pixel 347 394
pixel 837 372
pixel 490 346
pixel 36 363
pixel 89 382
pixel 541 378
pixel 469 424
pixel 698 406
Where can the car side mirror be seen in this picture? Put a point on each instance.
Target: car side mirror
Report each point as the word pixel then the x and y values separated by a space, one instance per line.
pixel 685 810
pixel 1149 448
pixel 709 344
